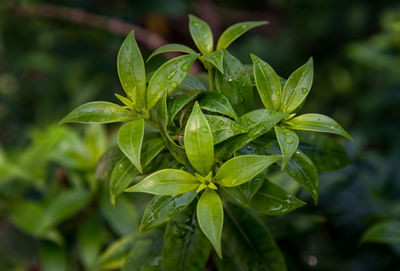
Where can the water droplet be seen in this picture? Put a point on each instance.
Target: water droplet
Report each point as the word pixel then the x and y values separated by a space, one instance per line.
pixel 185 68
pixel 289 141
pixel 221 123
pixel 229 79
pixel 332 127
pixel 304 90
pixel 171 74
pixel 173 84
pixel 278 93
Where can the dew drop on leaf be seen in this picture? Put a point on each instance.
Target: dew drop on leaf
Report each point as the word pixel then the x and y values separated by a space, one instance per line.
pixel 289 141
pixel 173 84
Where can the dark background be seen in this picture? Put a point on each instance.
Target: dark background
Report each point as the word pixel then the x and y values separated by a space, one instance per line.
pixel 55 55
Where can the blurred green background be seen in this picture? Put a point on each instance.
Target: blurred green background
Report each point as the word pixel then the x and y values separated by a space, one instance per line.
pixel 56 55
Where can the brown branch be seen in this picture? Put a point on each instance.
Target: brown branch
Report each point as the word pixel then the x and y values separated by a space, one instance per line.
pixel 116 26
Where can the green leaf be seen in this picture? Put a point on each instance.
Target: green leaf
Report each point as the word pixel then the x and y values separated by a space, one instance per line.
pixel 297 87
pixel 244 192
pixel 271 199
pixel 216 59
pixel 124 100
pixel 241 169
pixel 130 139
pixel 178 103
pixel 316 123
pixel 162 208
pixel 257 123
pixel 191 83
pixel 288 142
pixel 325 152
pixel 247 243
pixel 211 218
pixel 99 112
pixel 168 77
pixel 299 167
pixel 268 83
pixel 166 182
pixel 172 47
pixel 235 84
pixel 115 254
pixel 235 31
pixel 223 128
pixel 198 139
pixel 218 103
pixel 122 175
pixel 150 149
pixel 124 172
pixel 201 34
pixel 106 163
pixel 387 232
pixel 185 246
pixel 146 253
pixel 131 71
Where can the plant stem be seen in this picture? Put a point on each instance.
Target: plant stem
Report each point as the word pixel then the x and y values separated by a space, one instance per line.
pixel 211 78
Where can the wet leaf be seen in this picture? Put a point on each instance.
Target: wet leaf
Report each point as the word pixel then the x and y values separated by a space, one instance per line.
pixel 99 112
pixel 172 47
pixel 166 182
pixel 288 142
pixel 223 128
pixel 162 208
pixel 216 59
pixel 218 103
pixel 201 34
pixel 211 217
pixel 198 139
pixel 235 31
pixel 316 123
pixel 131 71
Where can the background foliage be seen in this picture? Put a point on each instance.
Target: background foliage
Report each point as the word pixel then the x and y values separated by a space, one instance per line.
pixel 50 63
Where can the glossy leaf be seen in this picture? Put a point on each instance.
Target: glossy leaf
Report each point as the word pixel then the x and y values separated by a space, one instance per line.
pixel 223 128
pixel 150 149
pixel 257 123
pixel 247 243
pixel 241 169
pixel 244 192
pixel 131 71
pixel 191 83
pixel 211 217
pixel 124 100
pixel 178 103
pixel 235 31
pixel 146 253
pixel 216 59
pixel 172 47
pixel 162 208
pixel 168 77
pixel 267 83
pixel 106 163
pixel 235 84
pixel 316 123
pixel 166 182
pixel 288 142
pixel 297 87
pixel 185 246
pixel 299 167
pixel 387 232
pixel 198 138
pixel 271 199
pixel 218 103
pixel 130 139
pixel 99 112
pixel 325 152
pixel 201 34
pixel 122 175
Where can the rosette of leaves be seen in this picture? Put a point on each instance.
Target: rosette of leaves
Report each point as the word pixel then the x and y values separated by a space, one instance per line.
pixel 203 152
